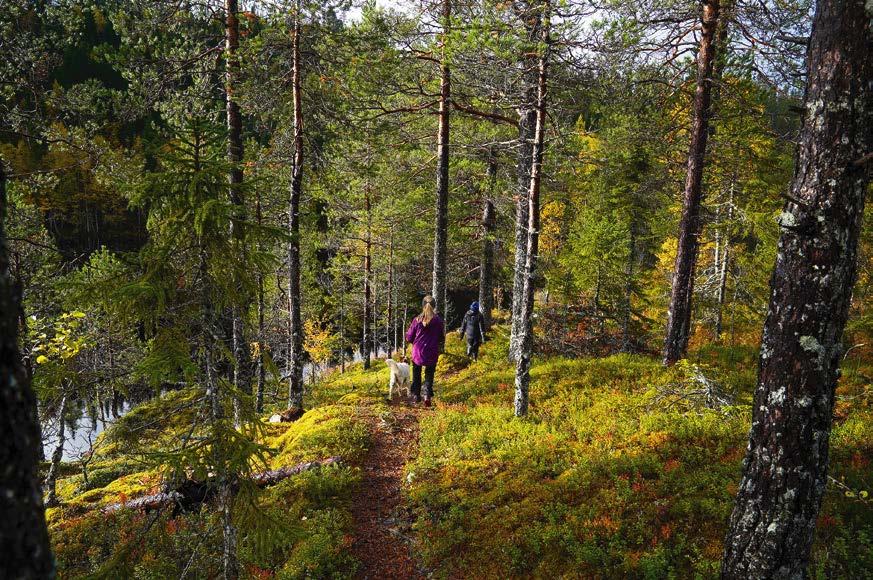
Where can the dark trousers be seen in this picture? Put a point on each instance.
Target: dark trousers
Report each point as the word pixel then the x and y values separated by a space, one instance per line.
pixel 429 371
pixel 473 349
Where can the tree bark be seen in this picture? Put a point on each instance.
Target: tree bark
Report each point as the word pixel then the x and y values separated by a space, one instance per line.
pixel 525 352
pixel 368 275
pixel 722 241
pixel 723 264
pixel 375 311
pixel 486 267
pixel 722 291
pixel 261 371
pixel 295 322
pixel 24 540
pixel 628 290
pixel 242 357
pixel 342 322
pixel 441 226
pixel 389 335
pixel 785 468
pixel 51 477
pixel 679 314
pixel 527 119
pixel 226 493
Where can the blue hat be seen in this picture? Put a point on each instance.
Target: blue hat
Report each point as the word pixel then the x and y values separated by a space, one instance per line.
pixel 474 306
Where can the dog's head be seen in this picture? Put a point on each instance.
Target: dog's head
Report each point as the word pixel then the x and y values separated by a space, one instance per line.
pixel 390 362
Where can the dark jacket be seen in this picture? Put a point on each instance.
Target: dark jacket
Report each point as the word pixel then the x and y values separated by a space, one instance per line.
pixel 473 327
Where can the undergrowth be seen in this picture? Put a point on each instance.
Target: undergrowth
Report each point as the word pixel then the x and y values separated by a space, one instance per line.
pixel 606 477
pixel 622 470
pixel 299 528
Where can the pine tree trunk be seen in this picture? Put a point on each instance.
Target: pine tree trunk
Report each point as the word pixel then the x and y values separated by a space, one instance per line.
pixel 628 290
pixel 785 469
pixel 527 119
pixel 24 541
pixel 486 271
pixel 368 274
pixel 389 336
pixel 525 352
pixel 241 368
pixel 295 322
pixel 404 327
pixel 441 229
pixel 486 267
pixel 51 478
pixel 679 314
pixel 722 243
pixel 375 311
pixel 343 325
pixel 261 371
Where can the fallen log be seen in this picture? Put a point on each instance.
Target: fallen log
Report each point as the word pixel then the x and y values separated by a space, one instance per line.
pixel 190 493
pixel 274 476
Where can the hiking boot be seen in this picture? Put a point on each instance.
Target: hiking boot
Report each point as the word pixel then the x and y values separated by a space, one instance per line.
pixel 427 402
pixel 413 401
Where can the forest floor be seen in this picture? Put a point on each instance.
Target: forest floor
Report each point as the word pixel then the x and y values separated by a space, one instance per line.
pixel 383 539
pixel 621 470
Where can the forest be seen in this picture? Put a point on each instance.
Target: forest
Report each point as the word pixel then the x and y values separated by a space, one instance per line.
pixel 624 244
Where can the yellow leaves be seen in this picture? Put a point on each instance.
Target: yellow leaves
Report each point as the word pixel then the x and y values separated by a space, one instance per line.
pixel 319 341
pixel 552 217
pixel 658 438
pixel 64 341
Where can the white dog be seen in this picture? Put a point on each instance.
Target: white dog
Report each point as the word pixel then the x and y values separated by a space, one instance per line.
pixel 400 377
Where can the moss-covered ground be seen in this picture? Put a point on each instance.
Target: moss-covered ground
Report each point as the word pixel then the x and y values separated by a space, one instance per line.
pixel 607 477
pixel 299 528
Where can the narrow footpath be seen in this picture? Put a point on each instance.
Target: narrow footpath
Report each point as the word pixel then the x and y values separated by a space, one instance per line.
pixel 382 535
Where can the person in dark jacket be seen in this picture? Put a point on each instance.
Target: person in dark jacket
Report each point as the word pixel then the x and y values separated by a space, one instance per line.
pixel 427 335
pixel 474 327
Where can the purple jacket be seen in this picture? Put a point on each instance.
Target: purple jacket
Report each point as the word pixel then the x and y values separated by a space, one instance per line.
pixel 426 340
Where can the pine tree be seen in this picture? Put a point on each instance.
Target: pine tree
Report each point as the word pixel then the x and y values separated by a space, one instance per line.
pixel 23 534
pixel 786 465
pixel 679 312
pixel 525 351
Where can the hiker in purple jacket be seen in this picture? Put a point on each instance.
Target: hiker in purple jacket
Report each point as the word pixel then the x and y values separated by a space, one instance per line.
pixel 427 335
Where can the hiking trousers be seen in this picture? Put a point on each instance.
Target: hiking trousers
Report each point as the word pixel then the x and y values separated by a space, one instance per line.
pixel 473 349
pixel 429 371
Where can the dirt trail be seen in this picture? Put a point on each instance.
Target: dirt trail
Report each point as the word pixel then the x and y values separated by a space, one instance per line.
pixel 381 529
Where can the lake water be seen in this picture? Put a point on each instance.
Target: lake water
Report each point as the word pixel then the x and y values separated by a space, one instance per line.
pixel 81 432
